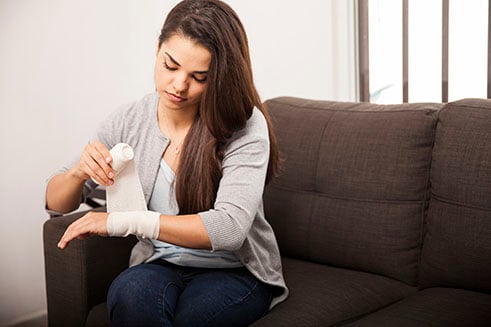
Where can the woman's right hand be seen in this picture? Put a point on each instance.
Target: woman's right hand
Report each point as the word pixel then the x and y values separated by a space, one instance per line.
pixel 95 163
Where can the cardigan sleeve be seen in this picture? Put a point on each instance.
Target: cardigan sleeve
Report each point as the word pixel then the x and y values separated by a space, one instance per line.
pixel 110 131
pixel 240 191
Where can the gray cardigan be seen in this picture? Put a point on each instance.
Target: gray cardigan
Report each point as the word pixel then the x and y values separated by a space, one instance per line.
pixel 237 222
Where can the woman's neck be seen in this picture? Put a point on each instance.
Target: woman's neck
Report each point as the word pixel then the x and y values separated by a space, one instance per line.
pixel 175 120
pixel 175 124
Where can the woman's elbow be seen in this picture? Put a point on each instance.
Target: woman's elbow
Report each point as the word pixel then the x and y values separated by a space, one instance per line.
pixel 232 244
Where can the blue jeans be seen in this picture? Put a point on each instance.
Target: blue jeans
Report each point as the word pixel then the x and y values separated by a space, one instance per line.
pixel 164 294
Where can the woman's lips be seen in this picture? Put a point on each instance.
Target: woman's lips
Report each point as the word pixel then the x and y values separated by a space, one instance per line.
pixel 174 97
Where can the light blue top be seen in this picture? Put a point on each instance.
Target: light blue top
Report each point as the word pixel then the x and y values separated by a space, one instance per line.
pixel 163 200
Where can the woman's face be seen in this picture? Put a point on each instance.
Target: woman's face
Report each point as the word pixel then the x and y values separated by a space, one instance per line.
pixel 181 70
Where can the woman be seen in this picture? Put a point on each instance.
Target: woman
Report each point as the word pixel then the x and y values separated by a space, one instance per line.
pixel 204 149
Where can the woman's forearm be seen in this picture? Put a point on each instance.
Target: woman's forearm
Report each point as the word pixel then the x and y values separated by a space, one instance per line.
pixel 63 192
pixel 185 230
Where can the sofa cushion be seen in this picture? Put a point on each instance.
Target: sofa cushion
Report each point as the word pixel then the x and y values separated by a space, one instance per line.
pixel 98 316
pixel 457 244
pixel 322 295
pixel 354 185
pixel 443 307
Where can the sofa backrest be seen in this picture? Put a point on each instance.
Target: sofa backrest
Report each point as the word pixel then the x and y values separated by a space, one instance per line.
pixel 457 244
pixel 355 183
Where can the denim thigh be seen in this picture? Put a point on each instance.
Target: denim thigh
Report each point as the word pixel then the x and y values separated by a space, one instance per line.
pixel 163 294
pixel 144 295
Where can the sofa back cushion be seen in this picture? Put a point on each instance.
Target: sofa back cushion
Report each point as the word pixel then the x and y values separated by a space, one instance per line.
pixel 354 184
pixel 457 244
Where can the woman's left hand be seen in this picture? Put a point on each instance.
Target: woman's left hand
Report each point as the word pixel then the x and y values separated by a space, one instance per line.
pixel 93 223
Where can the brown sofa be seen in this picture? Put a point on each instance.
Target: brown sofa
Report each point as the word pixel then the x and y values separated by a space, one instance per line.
pixel 382 214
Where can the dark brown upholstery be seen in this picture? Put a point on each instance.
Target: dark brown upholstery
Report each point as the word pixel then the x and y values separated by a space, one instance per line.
pixel 322 295
pixel 457 246
pixel 78 277
pixel 445 307
pixel 382 214
pixel 355 183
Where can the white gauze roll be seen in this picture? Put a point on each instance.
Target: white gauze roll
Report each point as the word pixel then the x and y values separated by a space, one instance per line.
pixel 125 199
pixel 126 194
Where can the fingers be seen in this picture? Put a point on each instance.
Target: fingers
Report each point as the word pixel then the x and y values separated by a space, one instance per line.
pixel 95 163
pixel 90 224
pixel 83 236
pixel 73 231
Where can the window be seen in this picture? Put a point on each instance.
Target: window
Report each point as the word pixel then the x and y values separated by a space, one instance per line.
pixel 423 50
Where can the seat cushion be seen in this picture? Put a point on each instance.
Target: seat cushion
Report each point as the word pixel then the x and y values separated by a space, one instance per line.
pixel 434 307
pixel 322 295
pixel 457 245
pixel 354 186
pixel 98 316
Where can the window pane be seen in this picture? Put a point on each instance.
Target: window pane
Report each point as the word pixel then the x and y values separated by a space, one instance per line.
pixel 425 50
pixel 385 50
pixel 468 38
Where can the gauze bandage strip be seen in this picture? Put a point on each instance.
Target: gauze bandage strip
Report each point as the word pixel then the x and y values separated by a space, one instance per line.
pixel 140 223
pixel 125 199
pixel 126 194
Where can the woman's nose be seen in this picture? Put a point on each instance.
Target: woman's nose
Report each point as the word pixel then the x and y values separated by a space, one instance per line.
pixel 180 84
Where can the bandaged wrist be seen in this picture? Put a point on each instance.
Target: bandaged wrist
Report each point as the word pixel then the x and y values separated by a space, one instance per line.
pixel 145 224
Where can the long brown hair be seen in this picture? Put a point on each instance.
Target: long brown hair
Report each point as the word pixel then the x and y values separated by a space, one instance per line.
pixel 227 102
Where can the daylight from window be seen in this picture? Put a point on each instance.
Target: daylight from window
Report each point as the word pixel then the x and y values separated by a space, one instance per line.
pixel 467 68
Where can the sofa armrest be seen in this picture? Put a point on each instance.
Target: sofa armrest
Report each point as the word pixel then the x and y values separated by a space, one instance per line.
pixel 78 277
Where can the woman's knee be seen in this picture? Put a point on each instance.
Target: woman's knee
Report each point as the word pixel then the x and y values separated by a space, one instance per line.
pixel 143 293
pixel 125 291
pixel 235 299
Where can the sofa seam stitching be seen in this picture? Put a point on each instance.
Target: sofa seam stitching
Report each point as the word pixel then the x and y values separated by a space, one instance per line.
pixel 426 201
pixel 403 202
pixel 428 108
pixel 460 204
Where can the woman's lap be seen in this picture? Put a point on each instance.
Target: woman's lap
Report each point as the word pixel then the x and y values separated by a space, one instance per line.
pixel 163 294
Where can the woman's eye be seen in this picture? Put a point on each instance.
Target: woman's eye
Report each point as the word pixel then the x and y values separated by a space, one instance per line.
pixel 169 67
pixel 196 78
pixel 200 80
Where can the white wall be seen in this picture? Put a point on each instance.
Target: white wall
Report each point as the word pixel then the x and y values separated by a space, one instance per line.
pixel 64 65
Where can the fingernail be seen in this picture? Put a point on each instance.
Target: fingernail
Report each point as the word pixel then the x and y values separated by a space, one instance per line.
pixel 108 159
pixel 111 175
